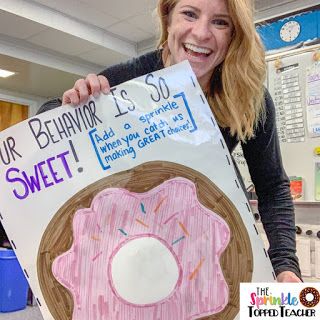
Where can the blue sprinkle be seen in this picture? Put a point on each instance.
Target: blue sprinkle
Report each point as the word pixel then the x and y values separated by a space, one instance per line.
pixel 176 241
pixel 142 208
pixel 123 232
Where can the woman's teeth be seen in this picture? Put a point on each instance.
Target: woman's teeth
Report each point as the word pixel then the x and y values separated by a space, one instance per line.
pixel 195 49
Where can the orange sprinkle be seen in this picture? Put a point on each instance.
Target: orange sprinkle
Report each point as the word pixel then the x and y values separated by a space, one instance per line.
pixel 159 204
pixel 141 222
pixel 196 270
pixel 184 229
pixel 95 238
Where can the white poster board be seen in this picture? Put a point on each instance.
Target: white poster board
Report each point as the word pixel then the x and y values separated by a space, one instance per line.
pixel 313 99
pixel 68 167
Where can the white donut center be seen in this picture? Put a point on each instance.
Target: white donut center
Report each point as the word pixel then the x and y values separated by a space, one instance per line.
pixel 144 271
pixel 309 297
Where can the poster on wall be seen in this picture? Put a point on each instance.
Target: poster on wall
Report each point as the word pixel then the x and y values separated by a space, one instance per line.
pixel 313 99
pixel 288 102
pixel 129 207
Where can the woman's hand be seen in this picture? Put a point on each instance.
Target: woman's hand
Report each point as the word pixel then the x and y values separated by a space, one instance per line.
pixel 288 276
pixel 83 88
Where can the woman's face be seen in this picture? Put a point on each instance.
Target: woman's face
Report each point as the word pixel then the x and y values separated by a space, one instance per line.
pixel 200 31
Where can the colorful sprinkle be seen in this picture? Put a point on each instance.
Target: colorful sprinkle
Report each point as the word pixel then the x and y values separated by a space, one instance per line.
pixel 176 241
pixel 142 223
pixel 97 256
pixel 171 217
pixel 142 208
pixel 95 238
pixel 184 229
pixel 196 270
pixel 123 232
pixel 159 204
pixel 99 227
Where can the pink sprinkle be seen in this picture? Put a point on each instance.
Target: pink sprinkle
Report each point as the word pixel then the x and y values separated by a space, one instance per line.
pixel 96 257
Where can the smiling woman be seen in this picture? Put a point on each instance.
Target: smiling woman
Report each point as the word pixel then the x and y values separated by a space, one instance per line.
pixel 219 40
pixel 200 32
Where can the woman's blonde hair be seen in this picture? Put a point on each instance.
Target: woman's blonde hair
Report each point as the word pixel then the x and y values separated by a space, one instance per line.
pixel 236 94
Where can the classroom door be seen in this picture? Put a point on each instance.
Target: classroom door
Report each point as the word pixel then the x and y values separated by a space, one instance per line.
pixel 11 113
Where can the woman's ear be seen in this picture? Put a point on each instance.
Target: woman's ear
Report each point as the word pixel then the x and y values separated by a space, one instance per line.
pixel 168 25
pixel 168 22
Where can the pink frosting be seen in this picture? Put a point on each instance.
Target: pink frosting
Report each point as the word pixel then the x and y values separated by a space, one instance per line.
pixel 171 213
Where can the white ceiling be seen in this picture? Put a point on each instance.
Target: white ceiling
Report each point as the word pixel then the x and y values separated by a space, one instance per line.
pixel 63 39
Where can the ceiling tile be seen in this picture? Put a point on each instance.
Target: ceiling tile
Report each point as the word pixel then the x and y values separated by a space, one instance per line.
pixel 95 16
pixel 86 13
pixel 82 11
pixel 129 32
pixel 30 78
pixel 103 57
pixel 63 42
pixel 267 4
pixel 58 4
pixel 122 9
pixel 17 27
pixel 145 22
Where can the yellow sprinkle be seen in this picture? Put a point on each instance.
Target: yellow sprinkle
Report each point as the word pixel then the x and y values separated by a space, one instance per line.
pixel 95 238
pixel 141 222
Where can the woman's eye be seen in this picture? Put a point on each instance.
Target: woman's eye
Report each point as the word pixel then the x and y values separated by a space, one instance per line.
pixel 220 22
pixel 189 14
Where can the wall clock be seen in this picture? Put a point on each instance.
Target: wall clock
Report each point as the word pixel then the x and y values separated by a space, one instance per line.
pixel 290 31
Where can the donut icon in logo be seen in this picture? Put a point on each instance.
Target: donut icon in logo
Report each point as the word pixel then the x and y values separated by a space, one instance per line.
pixel 305 296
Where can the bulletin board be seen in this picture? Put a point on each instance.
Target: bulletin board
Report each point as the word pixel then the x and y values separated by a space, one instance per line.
pixel 294 83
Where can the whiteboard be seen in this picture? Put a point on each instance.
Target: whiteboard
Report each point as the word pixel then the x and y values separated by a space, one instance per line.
pixel 297 146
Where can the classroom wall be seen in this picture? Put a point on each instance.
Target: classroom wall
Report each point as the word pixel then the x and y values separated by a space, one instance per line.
pixel 298 118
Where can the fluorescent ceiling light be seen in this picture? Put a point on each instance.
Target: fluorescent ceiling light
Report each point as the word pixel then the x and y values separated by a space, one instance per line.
pixel 6 73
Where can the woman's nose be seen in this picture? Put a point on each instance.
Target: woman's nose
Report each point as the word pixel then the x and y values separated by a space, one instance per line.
pixel 202 30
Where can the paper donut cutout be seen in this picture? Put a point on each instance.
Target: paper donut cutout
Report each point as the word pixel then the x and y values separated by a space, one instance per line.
pixel 154 250
pixel 89 241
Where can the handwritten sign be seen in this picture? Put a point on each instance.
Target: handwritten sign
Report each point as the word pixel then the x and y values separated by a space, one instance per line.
pixel 154 147
pixel 313 100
